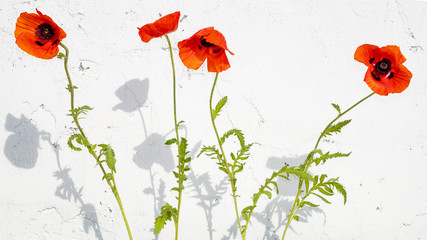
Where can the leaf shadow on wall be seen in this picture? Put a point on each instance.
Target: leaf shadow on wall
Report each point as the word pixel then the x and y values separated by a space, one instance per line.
pixel 21 148
pixel 273 217
pixel 133 95
pixel 279 207
pixel 68 191
pixel 209 196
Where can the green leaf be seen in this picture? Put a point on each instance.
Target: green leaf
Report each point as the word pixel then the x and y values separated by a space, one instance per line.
pixel 309 204
pixel 60 55
pixel 218 107
pixel 296 217
pixel 108 176
pixel 267 193
pixel 337 107
pixel 170 141
pixel 179 123
pixel 159 224
pixel 167 213
pixel 78 137
pixel 236 132
pixel 322 159
pixel 340 188
pixel 336 128
pixel 110 158
pixel 321 197
pixel 245 212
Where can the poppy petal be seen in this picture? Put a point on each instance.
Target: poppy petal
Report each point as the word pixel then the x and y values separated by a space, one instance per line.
pixel 162 26
pixel 28 38
pixel 216 38
pixel 401 79
pixel 217 61
pixel 394 54
pixel 27 22
pixel 365 53
pixel 45 50
pixel 191 53
pixel 377 86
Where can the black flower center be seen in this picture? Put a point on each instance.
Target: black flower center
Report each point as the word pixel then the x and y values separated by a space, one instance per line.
pixel 382 69
pixel 383 66
pixel 44 31
pixel 206 43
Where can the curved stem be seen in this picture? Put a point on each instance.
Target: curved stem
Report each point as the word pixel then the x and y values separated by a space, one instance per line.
pixel 111 182
pixel 295 206
pixel 223 159
pixel 177 139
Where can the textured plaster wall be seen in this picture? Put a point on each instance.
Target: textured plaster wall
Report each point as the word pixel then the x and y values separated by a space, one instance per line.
pixel 292 59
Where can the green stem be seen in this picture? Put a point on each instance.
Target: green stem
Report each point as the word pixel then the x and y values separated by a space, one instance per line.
pixel 180 161
pixel 111 182
pixel 295 206
pixel 224 160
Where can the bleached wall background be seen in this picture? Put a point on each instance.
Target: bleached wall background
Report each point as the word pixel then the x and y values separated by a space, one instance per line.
pixel 292 59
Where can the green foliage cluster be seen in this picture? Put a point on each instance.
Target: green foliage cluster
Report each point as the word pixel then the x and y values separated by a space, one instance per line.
pixel 319 186
pixel 103 153
pixel 168 212
pixel 238 158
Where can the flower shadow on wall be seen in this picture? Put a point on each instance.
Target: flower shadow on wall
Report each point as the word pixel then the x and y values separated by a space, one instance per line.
pixel 133 95
pixel 21 148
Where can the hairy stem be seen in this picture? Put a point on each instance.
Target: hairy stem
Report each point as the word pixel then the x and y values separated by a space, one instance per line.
pixel 224 160
pixel 295 206
pixel 180 161
pixel 111 182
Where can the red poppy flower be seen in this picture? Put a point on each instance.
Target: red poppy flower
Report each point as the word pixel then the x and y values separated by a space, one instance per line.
pixel 385 74
pixel 164 25
pixel 38 35
pixel 206 43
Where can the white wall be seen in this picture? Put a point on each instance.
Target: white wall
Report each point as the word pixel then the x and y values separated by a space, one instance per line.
pixel 292 59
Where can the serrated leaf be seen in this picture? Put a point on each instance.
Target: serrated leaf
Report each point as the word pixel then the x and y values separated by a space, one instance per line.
pixel 308 204
pixel 218 107
pixel 337 107
pixel 110 158
pixel 238 133
pixel 167 213
pixel 170 141
pixel 336 128
pixel 159 224
pixel 340 188
pixel 322 159
pixel 245 212
pixel 76 137
pixel 321 197
pixel 297 172
pixel 267 193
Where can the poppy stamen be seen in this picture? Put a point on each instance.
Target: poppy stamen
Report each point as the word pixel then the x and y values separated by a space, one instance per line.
pixel 383 66
pixel 44 31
